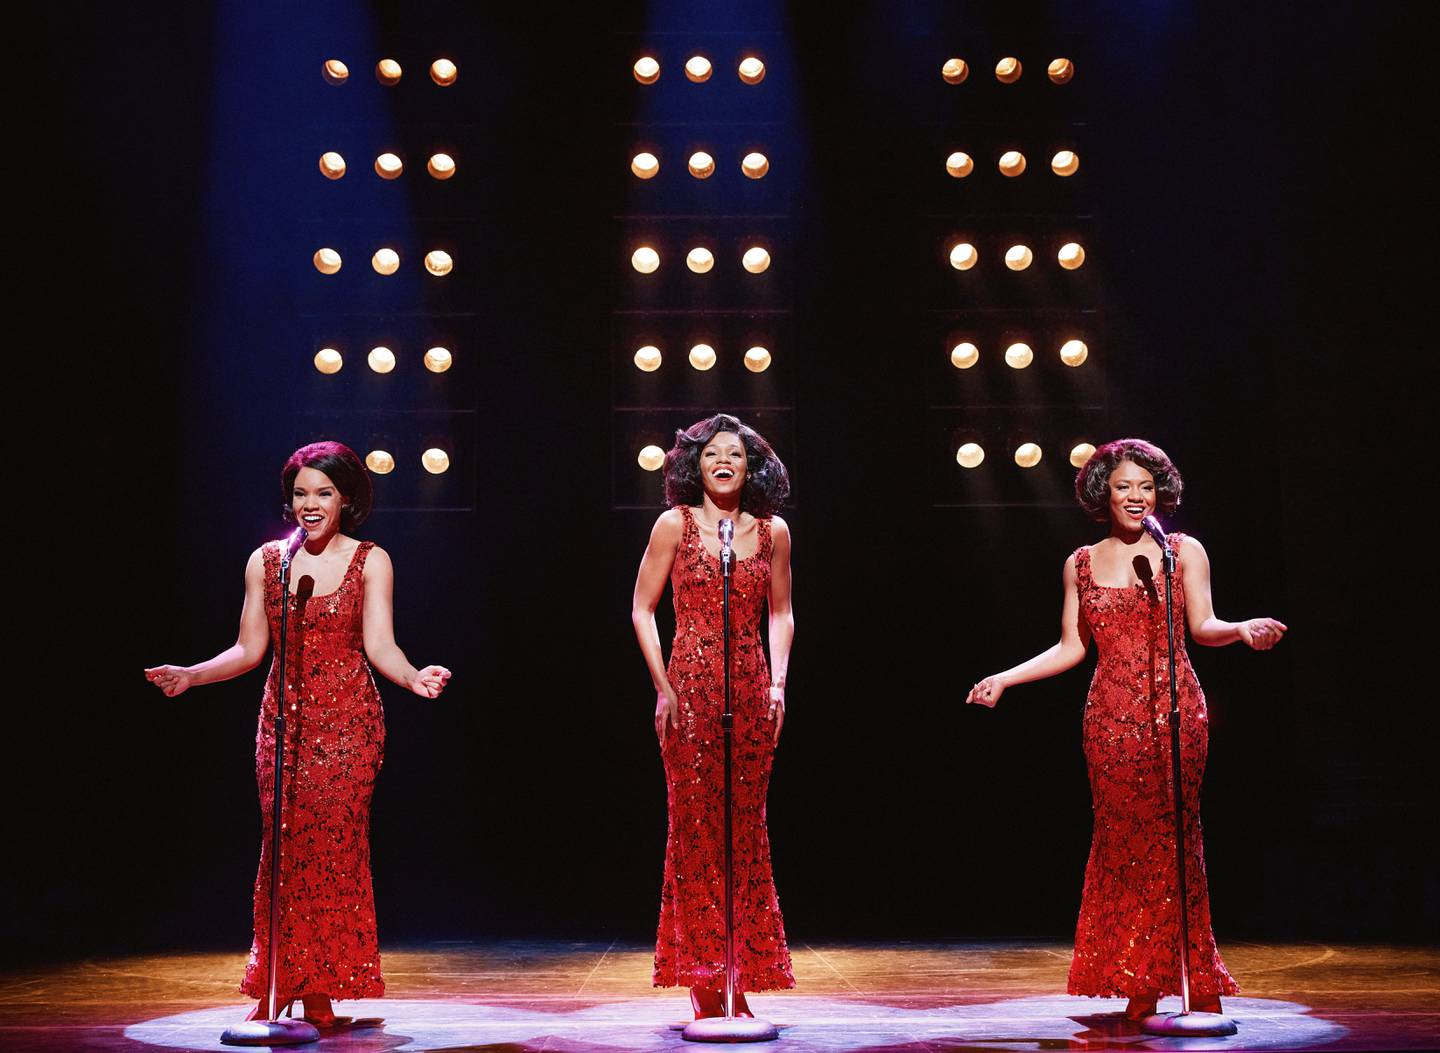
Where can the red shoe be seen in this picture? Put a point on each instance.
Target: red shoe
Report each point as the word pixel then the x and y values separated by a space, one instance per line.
pixel 1142 1005
pixel 706 1003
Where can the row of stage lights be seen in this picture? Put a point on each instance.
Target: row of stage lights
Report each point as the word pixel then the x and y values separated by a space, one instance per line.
pixel 434 460
pixel 1019 355
pixel 700 260
pixel 702 357
pixel 1008 70
pixel 329 360
pixel 387 165
pixel 1025 455
pixel 698 69
pixel 1012 163
pixel 701 165
pixel 1070 256
pixel 385 261
pixel 388 72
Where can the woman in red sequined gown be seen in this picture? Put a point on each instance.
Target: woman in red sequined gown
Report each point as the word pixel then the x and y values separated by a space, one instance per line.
pixel 1127 937
pixel 340 614
pixel 718 469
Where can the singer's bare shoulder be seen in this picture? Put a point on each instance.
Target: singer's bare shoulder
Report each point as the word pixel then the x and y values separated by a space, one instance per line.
pixel 779 529
pixel 1190 548
pixel 255 566
pixel 669 527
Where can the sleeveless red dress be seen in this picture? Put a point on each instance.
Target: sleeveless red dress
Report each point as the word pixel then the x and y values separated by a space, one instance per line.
pixel 1128 935
pixel 690 944
pixel 334 742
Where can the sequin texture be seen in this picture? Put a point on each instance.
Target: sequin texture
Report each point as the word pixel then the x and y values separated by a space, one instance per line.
pixel 334 743
pixel 1128 935
pixel 690 944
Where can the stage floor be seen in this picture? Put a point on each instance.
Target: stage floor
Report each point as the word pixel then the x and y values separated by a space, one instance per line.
pixel 596 996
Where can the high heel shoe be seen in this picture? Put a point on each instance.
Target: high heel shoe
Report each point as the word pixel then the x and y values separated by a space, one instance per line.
pixel 1141 1006
pixel 282 1008
pixel 706 1003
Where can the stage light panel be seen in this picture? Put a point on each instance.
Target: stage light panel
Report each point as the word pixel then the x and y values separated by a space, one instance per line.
pixel 385 261
pixel 651 458
pixel 1074 352
pixel 756 260
pixel 1065 163
pixel 1027 455
pixel 439 263
pixel 381 462
pixel 755 165
pixel 388 72
pixel 701 165
pixel 646 70
pixel 389 166
pixel 964 355
pixel 1012 163
pixel 645 165
pixel 441 166
pixel 332 165
pixel 959 164
pixel 329 361
pixel 335 72
pixel 1071 255
pixel 698 69
pixel 1008 70
pixel 1080 453
pixel 700 260
pixel 702 357
pixel 964 256
pixel 955 70
pixel 1019 355
pixel 645 260
pixel 970 455
pixel 435 460
pixel 757 359
pixel 443 72
pixel 327 261
pixel 752 70
pixel 1061 70
pixel 381 359
pixel 647 358
pixel 438 359
pixel 1018 257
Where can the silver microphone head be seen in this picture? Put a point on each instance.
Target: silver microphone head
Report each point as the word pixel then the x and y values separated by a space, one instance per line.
pixel 727 532
pixel 1154 529
pixel 296 540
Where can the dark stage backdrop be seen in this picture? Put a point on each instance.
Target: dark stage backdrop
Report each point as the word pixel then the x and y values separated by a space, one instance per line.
pixel 1262 269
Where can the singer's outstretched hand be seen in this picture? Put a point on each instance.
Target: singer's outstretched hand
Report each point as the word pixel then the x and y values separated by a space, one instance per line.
pixel 430 681
pixel 1261 633
pixel 987 692
pixel 171 679
pixel 776 712
pixel 667 713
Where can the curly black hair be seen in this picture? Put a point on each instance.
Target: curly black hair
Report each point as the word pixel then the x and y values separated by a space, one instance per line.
pixel 767 484
pixel 345 470
pixel 1092 484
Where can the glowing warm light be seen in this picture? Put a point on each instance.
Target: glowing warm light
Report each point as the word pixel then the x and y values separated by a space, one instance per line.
pixel 332 165
pixel 1060 70
pixel 441 166
pixel 645 259
pixel 335 72
pixel 964 355
pixel 1027 455
pixel 752 70
pixel 1018 257
pixel 756 260
pixel 700 259
pixel 964 256
pixel 645 165
pixel 651 458
pixel 959 164
pixel 755 165
pixel 970 454
pixel 1071 255
pixel 701 165
pixel 955 71
pixel 439 263
pixel 1008 69
pixel 702 356
pixel 328 360
pixel 1019 355
pixel 1012 163
pixel 1065 163
pixel 381 359
pixel 389 166
pixel 646 70
pixel 438 359
pixel 757 359
pixel 647 358
pixel 435 460
pixel 1073 352
pixel 380 462
pixel 443 72
pixel 385 261
pixel 387 72
pixel 1080 453
pixel 327 261
pixel 698 69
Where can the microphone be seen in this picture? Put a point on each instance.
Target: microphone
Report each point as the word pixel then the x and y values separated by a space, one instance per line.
pixel 1154 529
pixel 727 538
pixel 293 545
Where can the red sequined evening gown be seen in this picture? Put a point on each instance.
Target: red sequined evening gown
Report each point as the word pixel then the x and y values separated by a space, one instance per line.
pixel 690 944
pixel 1127 939
pixel 334 741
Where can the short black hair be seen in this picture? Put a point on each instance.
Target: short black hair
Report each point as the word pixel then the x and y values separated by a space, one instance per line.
pixel 767 484
pixel 345 470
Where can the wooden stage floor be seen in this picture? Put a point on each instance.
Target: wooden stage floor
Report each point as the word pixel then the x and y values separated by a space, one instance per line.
pixel 593 996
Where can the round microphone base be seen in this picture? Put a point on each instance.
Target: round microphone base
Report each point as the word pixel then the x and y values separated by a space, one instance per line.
pixel 730 1029
pixel 1193 1025
pixel 270 1033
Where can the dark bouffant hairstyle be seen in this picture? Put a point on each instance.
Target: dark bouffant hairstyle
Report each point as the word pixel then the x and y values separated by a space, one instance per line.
pixel 1092 484
pixel 767 484
pixel 345 470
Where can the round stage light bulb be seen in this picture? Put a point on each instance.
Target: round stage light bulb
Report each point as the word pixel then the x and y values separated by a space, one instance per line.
pixel 381 359
pixel 755 165
pixel 959 164
pixel 701 165
pixel 1080 453
pixel 1073 352
pixel 385 261
pixel 327 261
pixel 387 72
pixel 651 458
pixel 1071 255
pixel 441 166
pixel 645 259
pixel 964 355
pixel 389 166
pixel 438 359
pixel 970 454
pixel 332 165
pixel 756 260
pixel 435 460
pixel 645 165
pixel 963 256
pixel 647 358
pixel 1065 163
pixel 757 359
pixel 955 71
pixel 380 462
pixel 1008 69
pixel 1012 163
pixel 752 70
pixel 439 263
pixel 1019 355
pixel 1060 70
pixel 702 356
pixel 1018 257
pixel 443 72
pixel 700 259
pixel 646 70
pixel 1027 455
pixel 335 72
pixel 698 69
pixel 328 360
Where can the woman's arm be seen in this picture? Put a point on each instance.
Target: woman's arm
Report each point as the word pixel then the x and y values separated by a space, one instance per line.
pixel 380 646
pixel 655 567
pixel 1258 633
pixel 782 620
pixel 244 655
pixel 1063 655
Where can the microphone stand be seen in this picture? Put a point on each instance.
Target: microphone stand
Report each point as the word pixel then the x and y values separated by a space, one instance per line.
pixel 270 1031
pixel 728 1028
pixel 1184 1022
